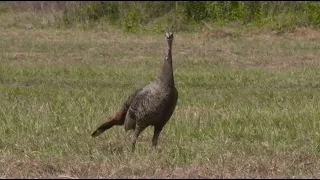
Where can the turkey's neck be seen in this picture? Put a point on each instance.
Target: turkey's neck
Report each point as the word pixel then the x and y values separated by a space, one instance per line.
pixel 166 74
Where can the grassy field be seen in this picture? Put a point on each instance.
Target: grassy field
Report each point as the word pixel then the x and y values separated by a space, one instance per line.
pixel 248 104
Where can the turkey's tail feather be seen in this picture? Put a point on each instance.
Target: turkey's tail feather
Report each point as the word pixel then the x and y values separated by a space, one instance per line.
pixel 118 119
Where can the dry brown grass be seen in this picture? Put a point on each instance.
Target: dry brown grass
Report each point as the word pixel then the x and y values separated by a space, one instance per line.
pixel 237 49
pixel 262 49
pixel 19 6
pixel 292 165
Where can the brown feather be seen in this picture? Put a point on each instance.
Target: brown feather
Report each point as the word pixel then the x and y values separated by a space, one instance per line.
pixel 117 119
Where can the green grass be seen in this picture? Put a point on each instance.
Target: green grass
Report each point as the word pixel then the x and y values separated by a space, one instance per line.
pixel 248 106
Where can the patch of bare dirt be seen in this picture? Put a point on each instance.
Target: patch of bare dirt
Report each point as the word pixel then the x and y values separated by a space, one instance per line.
pixel 281 166
pixel 10 32
pixel 306 32
pixel 217 34
pixel 24 55
pixel 297 61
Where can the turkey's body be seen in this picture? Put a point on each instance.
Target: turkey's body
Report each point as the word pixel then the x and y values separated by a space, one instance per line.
pixel 152 105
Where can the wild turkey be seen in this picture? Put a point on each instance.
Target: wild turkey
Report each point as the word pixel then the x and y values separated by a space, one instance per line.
pixel 151 105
